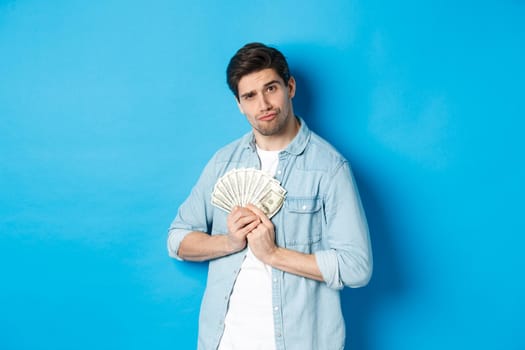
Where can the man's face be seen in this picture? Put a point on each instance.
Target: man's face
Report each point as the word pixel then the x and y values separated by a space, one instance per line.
pixel 266 102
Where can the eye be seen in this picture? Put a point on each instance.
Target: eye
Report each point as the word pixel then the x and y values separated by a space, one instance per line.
pixel 248 97
pixel 271 88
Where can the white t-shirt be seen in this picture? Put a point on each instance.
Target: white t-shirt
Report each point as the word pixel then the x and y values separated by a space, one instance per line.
pixel 249 320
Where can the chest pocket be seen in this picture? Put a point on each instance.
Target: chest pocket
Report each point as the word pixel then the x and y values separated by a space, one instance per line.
pixel 302 222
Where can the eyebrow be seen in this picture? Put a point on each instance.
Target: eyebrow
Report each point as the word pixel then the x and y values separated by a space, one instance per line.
pixel 275 81
pixel 272 82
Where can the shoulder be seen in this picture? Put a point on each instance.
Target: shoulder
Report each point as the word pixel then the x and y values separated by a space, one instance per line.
pixel 320 154
pixel 230 155
pixel 237 146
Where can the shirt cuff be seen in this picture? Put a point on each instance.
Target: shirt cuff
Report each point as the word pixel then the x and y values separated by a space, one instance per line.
pixel 174 238
pixel 329 267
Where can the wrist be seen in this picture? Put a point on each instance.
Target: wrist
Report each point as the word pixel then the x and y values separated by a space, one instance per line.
pixel 272 258
pixel 232 245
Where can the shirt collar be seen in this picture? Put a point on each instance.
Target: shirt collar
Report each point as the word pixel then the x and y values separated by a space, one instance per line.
pixel 295 147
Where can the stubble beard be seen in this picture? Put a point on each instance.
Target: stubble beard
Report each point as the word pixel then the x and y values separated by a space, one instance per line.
pixel 273 128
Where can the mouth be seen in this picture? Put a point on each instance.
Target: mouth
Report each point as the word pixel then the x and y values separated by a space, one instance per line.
pixel 267 117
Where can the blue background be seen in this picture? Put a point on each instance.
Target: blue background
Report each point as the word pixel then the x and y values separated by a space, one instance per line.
pixel 110 109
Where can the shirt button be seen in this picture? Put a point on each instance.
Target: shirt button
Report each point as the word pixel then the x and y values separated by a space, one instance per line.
pixel 304 207
pixel 278 172
pixel 276 308
pixel 275 280
pixel 279 335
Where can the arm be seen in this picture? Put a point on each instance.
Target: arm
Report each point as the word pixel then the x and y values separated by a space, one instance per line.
pixel 262 242
pixel 348 259
pixel 200 246
pixel 189 235
pixel 297 263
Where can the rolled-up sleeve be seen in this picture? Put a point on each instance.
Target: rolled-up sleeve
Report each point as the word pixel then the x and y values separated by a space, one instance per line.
pixel 175 236
pixel 348 261
pixel 194 214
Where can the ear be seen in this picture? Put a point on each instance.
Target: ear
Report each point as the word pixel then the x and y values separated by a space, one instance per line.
pixel 291 87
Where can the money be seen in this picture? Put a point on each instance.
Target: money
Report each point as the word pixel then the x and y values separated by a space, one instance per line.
pixel 239 187
pixel 270 203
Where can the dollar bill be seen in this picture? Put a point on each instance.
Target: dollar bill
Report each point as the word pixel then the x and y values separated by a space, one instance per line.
pixel 270 203
pixel 239 187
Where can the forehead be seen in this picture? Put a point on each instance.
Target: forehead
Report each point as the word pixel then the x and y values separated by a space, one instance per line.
pixel 258 80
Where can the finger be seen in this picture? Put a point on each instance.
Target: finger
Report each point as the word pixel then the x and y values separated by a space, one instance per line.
pixel 245 220
pixel 248 229
pixel 254 209
pixel 237 213
pixel 260 214
pixel 254 233
pixel 245 211
pixel 234 214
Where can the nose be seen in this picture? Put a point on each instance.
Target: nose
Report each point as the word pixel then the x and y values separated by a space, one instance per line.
pixel 264 104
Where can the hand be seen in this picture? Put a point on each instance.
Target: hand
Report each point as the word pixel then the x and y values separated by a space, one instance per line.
pixel 262 238
pixel 240 222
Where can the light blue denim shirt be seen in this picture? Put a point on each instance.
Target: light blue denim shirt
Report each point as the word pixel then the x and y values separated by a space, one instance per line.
pixel 322 215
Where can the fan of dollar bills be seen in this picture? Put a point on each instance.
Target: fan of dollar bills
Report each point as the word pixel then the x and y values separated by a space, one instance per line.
pixel 239 187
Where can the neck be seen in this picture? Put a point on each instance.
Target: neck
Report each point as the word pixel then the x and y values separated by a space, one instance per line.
pixel 279 141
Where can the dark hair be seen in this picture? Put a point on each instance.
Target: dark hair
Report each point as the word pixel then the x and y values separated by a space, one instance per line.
pixel 254 57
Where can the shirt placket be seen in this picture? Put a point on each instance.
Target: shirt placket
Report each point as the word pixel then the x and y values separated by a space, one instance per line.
pixel 250 159
pixel 277 275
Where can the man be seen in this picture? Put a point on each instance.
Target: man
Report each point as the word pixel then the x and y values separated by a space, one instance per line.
pixel 274 283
